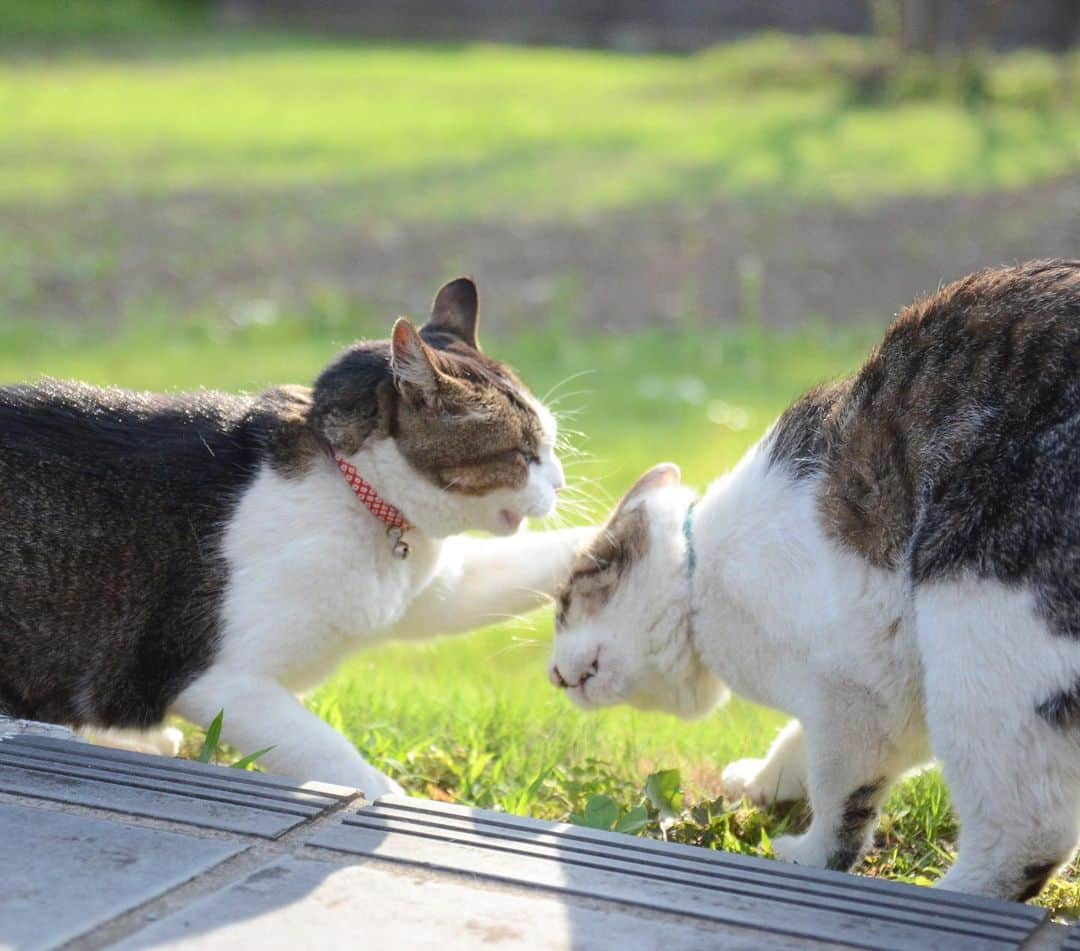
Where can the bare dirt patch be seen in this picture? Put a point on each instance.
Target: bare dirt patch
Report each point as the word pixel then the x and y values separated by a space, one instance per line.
pixel 209 252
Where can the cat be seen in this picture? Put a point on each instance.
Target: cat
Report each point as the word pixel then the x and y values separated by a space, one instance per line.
pixel 192 553
pixel 896 564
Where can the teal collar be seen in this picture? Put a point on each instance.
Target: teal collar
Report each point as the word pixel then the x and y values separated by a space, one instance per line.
pixel 688 534
pixel 691 566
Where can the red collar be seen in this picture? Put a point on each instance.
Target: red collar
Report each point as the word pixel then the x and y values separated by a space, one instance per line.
pixel 383 511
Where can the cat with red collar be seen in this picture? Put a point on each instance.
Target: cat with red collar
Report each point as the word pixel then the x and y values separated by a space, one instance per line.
pixel 200 552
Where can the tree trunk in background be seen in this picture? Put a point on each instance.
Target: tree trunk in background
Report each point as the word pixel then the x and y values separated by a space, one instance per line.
pixel 920 25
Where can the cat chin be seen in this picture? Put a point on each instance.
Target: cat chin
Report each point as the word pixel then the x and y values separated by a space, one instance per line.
pixel 690 700
pixel 593 697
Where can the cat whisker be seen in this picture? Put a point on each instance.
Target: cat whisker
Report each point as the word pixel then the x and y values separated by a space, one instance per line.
pixel 563 382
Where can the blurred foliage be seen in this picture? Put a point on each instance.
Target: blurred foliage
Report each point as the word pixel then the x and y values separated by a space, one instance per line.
pixel 56 21
pixel 475 132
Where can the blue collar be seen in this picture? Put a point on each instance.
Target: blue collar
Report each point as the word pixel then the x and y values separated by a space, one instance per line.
pixel 688 534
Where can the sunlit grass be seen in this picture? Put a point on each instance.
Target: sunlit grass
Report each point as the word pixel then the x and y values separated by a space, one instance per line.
pixel 477 131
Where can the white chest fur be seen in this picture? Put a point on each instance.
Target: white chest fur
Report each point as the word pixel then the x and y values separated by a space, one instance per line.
pixel 312 576
pixel 782 605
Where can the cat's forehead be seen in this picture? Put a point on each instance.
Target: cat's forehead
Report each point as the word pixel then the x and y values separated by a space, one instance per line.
pixel 500 391
pixel 623 537
pixel 489 378
pixel 489 431
pixel 599 567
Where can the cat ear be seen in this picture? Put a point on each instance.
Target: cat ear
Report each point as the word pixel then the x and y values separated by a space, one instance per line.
pixel 455 311
pixel 659 476
pixel 415 375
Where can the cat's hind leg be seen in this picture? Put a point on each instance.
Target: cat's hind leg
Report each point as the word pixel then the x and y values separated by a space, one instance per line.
pixel 259 712
pixel 1003 707
pixel 780 777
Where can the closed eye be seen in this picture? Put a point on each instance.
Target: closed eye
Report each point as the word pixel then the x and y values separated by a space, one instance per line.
pixel 563 608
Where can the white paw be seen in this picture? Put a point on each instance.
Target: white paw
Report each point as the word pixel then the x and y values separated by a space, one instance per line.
pixel 753 780
pixel 799 850
pixel 158 741
pixel 741 780
pixel 376 784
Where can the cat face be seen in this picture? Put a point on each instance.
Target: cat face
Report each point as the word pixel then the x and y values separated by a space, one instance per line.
pixel 448 435
pixel 622 632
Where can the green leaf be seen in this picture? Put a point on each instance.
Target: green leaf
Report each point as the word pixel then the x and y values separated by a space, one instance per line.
pixel 664 791
pixel 765 843
pixel 634 821
pixel 213 734
pixel 250 759
pixel 601 812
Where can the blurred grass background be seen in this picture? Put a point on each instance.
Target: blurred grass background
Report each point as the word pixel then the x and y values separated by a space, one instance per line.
pixel 185 206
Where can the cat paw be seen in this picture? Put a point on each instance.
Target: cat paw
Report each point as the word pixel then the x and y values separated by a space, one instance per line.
pixel 751 779
pixel 800 850
pixel 160 741
pixel 377 784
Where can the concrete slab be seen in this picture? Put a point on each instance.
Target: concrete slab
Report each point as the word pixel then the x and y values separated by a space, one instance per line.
pixel 161 788
pixel 10 726
pixel 102 848
pixel 296 904
pixel 62 875
pixel 780 901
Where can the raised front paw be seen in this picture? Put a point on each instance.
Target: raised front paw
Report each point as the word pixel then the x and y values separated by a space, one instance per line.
pixel 753 779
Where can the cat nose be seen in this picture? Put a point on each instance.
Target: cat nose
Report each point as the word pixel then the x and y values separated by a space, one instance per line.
pixel 558 482
pixel 556 678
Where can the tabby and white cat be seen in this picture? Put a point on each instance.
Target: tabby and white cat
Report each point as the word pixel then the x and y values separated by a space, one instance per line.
pixel 896 564
pixel 201 552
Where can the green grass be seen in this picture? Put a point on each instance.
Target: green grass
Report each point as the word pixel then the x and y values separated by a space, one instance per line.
pixel 476 132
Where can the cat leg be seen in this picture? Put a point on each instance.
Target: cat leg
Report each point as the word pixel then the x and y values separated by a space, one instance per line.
pixel 260 712
pixel 481 581
pixel 779 777
pixel 1004 713
pixel 855 750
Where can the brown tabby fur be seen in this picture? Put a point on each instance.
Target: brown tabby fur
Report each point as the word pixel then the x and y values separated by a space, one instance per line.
pixel 973 371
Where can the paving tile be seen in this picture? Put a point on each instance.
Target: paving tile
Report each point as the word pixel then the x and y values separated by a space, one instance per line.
pixel 194 793
pixel 780 899
pixel 10 726
pixel 297 903
pixel 62 875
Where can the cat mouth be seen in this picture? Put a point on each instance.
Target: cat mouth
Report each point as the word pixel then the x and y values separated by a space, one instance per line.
pixel 511 519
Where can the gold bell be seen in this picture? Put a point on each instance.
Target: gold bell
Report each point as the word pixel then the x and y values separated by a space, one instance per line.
pixel 399 546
